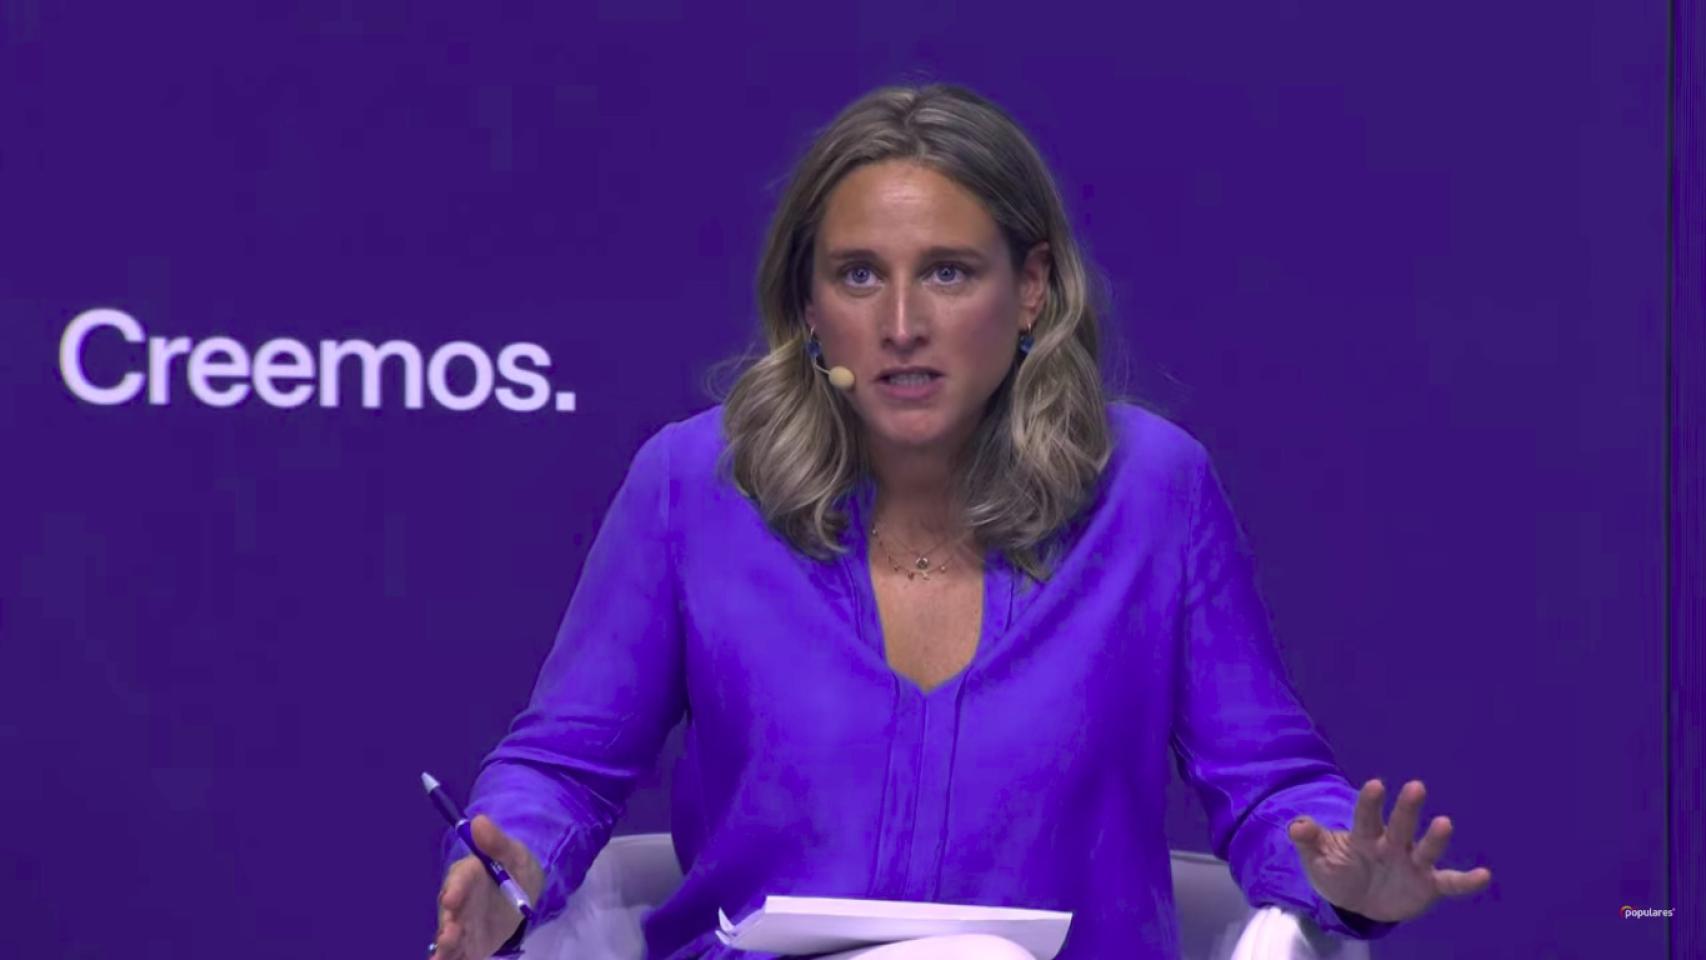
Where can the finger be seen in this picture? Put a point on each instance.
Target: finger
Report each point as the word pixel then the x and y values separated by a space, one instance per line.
pixel 1457 883
pixel 491 840
pixel 1406 813
pixel 1432 846
pixel 1305 832
pixel 449 941
pixel 460 884
pixel 1366 821
pixel 443 938
pixel 452 908
pixel 457 885
pixel 509 851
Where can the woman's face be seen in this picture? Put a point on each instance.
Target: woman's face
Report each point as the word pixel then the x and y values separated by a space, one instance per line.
pixel 910 271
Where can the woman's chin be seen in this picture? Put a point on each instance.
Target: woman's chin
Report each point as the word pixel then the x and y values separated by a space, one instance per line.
pixel 918 432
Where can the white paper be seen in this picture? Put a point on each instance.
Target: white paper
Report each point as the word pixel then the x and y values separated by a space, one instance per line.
pixel 798 926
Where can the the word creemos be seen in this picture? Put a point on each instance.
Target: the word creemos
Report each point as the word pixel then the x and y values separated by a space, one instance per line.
pixel 284 372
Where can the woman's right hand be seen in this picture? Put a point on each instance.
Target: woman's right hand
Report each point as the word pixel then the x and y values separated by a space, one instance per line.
pixel 474 917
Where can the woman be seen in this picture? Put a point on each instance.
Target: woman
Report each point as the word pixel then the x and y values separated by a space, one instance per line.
pixel 935 611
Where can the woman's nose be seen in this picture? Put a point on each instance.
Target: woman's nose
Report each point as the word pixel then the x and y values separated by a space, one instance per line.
pixel 904 319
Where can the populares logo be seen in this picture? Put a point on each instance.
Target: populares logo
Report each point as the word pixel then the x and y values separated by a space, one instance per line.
pixel 283 372
pixel 1629 912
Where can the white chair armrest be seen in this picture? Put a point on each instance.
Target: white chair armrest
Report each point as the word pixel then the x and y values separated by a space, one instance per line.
pixel 601 921
pixel 1216 922
pixel 1275 934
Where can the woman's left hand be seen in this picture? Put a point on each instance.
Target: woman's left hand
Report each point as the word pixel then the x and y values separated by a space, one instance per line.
pixel 1383 873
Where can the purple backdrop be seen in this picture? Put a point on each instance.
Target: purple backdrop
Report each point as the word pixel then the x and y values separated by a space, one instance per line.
pixel 1403 269
pixel 1687 368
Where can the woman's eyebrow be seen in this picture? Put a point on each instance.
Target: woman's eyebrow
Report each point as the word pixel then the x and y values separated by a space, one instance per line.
pixel 933 253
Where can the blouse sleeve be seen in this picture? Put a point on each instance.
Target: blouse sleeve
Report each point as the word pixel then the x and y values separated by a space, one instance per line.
pixel 1241 736
pixel 609 691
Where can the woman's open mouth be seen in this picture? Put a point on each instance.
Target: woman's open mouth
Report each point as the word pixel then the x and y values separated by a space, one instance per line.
pixel 910 385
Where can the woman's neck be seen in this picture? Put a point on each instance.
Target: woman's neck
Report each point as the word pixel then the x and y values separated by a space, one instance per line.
pixel 916 498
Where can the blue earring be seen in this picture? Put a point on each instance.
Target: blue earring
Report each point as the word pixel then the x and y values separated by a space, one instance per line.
pixel 1025 343
pixel 813 348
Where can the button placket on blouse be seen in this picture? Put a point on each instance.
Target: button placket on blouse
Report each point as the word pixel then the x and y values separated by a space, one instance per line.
pixel 943 707
pixel 935 715
pixel 900 794
pixel 938 730
pixel 913 827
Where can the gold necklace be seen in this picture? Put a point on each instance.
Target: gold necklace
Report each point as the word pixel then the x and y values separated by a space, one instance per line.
pixel 921 567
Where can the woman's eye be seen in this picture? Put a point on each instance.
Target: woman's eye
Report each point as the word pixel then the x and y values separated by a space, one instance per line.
pixel 948 273
pixel 858 276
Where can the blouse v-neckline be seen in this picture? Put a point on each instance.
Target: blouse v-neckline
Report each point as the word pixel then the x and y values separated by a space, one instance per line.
pixel 856 564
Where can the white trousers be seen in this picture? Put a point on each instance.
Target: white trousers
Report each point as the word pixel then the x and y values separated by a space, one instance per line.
pixel 960 946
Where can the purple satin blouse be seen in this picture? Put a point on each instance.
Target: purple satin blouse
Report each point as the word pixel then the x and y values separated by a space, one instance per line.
pixel 1036 777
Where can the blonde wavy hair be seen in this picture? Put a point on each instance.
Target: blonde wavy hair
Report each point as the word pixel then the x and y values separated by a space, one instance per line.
pixel 795 446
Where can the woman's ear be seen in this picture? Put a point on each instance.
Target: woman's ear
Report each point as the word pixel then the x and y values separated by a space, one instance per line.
pixel 1033 281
